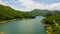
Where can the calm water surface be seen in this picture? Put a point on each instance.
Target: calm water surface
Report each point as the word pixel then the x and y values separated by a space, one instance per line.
pixel 27 26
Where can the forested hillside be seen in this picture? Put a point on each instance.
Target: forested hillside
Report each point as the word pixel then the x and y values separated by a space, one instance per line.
pixel 54 22
pixel 38 12
pixel 7 13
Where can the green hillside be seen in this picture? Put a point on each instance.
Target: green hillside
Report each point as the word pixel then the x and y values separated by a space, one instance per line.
pixel 54 22
pixel 7 13
pixel 44 12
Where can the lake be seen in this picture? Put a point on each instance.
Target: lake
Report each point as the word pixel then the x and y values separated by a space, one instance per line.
pixel 26 26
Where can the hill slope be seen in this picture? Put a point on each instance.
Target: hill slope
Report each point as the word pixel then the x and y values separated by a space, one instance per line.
pixel 7 13
pixel 44 12
pixel 54 22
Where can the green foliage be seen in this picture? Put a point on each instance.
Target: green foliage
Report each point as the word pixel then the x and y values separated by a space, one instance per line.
pixel 7 13
pixel 49 20
pixel 55 29
pixel 39 12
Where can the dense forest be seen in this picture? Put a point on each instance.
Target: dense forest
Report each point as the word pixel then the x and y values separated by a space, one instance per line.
pixel 39 12
pixel 54 22
pixel 7 13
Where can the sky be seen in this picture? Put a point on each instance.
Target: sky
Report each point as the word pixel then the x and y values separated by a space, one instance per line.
pixel 28 5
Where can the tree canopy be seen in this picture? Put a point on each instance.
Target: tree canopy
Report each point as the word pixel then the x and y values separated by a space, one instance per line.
pixel 7 13
pixel 52 21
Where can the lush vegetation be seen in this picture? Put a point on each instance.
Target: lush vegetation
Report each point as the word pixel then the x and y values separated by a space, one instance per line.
pixel 50 20
pixel 51 16
pixel 7 13
pixel 39 12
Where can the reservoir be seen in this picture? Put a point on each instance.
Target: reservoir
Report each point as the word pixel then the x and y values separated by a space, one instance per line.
pixel 26 26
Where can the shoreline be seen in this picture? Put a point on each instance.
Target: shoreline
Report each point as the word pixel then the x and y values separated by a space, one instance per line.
pixel 2 22
pixel 48 28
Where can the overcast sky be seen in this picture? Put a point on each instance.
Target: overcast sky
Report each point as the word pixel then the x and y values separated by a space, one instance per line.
pixel 27 5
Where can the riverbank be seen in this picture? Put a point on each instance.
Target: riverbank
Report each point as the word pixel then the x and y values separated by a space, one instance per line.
pixel 49 28
pixel 1 22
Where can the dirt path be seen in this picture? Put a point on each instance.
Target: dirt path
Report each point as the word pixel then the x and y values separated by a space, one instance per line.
pixel 49 28
pixel 56 24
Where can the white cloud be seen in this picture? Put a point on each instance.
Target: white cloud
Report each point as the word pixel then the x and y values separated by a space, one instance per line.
pixel 1 3
pixel 55 6
pixel 30 5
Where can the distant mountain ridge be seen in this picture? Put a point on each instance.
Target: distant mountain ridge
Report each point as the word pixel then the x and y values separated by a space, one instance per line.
pixel 44 12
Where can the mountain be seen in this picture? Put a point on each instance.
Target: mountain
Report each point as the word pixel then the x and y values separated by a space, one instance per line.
pixel 44 12
pixel 7 13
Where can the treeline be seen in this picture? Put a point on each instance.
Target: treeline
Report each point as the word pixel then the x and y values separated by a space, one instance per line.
pixel 45 13
pixel 7 13
pixel 52 20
